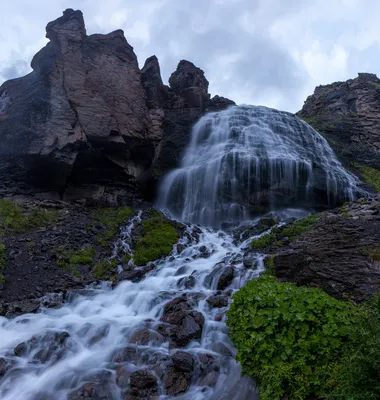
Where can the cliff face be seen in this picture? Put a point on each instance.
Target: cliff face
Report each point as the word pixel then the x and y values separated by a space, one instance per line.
pixel 348 115
pixel 86 123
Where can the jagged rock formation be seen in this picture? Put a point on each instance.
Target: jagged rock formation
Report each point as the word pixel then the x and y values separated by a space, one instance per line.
pixel 348 115
pixel 340 254
pixel 87 123
pixel 183 103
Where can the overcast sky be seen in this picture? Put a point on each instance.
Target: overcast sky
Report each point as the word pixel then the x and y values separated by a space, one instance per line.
pixel 267 52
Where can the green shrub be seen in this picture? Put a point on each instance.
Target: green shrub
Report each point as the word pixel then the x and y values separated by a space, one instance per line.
pixel 31 245
pixel 264 241
pixel 14 219
pixel 359 372
pixel 157 239
pixel 104 268
pixel 288 338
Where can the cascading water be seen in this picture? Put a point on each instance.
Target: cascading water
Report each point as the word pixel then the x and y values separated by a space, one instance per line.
pixel 248 160
pixel 240 161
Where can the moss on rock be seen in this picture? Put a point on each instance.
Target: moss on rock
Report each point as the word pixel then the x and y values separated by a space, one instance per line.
pixel 291 232
pixel 157 237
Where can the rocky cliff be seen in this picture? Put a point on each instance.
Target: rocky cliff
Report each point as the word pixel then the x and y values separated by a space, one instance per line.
pixel 348 115
pixel 86 123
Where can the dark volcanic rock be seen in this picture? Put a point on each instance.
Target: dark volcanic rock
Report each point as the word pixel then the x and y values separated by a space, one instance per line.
pixel 143 385
pixel 179 375
pixel 340 254
pixel 73 127
pixel 348 115
pixel 218 301
pixel 187 324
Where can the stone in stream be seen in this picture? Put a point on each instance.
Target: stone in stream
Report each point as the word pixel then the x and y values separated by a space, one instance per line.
pixel 143 385
pixel 145 337
pixel 218 301
pixel 187 324
pixel 226 278
pixel 187 282
pixel 179 375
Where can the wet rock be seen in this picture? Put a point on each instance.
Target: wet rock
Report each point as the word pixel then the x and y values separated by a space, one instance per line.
pixel 209 370
pixel 122 376
pixel 94 391
pixel 221 348
pixel 183 361
pixel 22 307
pixel 20 349
pixel 250 261
pixel 5 365
pixel 137 274
pixel 218 301
pixel 179 375
pixel 211 278
pixel 187 323
pixel 226 278
pixel 187 282
pixel 52 300
pixel 145 337
pixel 143 385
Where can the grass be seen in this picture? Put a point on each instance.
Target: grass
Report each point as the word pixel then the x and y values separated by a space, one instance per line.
pixel 156 240
pixel 111 218
pixel 371 176
pixel 14 219
pixel 70 259
pixel 291 232
pixel 103 269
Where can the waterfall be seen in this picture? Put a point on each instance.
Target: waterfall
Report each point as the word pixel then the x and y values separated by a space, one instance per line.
pixel 247 160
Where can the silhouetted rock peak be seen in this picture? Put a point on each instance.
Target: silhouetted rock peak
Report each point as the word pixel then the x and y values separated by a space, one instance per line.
pixel 68 27
pixel 186 76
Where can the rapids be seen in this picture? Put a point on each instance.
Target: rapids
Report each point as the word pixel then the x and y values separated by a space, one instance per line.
pixel 100 320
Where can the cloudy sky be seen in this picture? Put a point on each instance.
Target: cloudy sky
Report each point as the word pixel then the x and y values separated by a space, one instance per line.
pixel 268 52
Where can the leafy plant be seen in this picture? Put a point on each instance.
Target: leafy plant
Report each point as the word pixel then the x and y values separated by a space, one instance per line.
pixel 289 338
pixel 358 373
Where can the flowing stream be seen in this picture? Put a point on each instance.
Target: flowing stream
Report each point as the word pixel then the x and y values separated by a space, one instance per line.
pixel 89 347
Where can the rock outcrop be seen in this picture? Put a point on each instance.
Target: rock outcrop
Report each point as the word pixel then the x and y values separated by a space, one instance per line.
pixel 348 115
pixel 86 123
pixel 78 124
pixel 340 254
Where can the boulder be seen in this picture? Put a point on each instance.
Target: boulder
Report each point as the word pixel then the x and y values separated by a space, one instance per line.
pixel 340 254
pixel 186 324
pixel 72 128
pixel 143 385
pixel 179 375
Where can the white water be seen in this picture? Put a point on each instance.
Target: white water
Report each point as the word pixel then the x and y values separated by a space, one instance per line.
pixel 111 316
pixel 246 160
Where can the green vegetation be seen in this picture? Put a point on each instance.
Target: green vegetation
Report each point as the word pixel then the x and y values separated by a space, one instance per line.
pixel 31 245
pixel 300 342
pixel 14 219
pixel 373 253
pixel 358 373
pixel 371 176
pixel 103 269
pixel 156 240
pixel 111 218
pixel 127 258
pixel 67 259
pixel 291 231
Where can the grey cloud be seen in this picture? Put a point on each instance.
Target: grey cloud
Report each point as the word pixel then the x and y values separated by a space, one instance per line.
pixel 16 69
